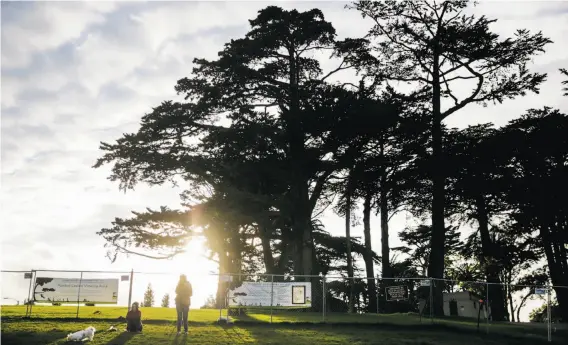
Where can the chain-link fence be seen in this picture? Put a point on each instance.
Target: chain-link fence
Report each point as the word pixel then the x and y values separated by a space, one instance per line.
pixel 476 306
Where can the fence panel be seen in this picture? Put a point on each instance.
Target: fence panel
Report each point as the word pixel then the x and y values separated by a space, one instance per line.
pixel 102 294
pixel 43 289
pixel 15 289
pixel 276 298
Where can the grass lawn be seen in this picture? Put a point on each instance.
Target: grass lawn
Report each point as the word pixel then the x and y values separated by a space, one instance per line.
pixel 50 325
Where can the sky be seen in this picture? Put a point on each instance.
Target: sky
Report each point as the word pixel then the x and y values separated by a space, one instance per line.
pixel 78 73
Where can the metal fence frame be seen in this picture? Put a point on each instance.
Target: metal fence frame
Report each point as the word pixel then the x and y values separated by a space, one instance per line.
pixel 324 279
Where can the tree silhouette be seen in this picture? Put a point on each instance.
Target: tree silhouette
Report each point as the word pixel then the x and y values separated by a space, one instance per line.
pixel 166 301
pixel 433 46
pixel 535 189
pixel 265 143
pixel 149 296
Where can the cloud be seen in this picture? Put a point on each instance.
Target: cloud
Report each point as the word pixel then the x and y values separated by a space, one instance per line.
pixel 77 73
pixel 29 28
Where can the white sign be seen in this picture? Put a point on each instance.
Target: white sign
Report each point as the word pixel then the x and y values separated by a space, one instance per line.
pixel 540 291
pixel 425 282
pixel 396 293
pixel 263 294
pixel 64 290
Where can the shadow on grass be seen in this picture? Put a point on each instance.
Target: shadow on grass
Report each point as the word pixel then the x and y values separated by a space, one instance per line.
pixel 348 332
pixel 232 334
pixel 511 335
pixel 121 339
pixel 31 337
pixel 179 339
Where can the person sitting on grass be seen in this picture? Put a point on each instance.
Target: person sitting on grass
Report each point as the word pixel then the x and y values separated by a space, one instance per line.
pixel 134 319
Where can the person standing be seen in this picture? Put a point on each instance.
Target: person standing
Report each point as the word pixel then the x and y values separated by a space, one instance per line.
pixel 184 292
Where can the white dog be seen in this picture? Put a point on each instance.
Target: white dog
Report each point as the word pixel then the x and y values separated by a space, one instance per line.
pixel 87 333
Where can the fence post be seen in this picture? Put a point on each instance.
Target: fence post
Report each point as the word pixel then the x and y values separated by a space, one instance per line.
pixel 324 297
pixel 549 316
pixel 271 295
pixel 487 305
pixel 431 301
pixel 29 291
pixel 130 289
pixel 33 293
pixel 79 294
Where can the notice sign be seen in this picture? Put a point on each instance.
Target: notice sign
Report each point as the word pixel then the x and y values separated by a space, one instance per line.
pixel 540 291
pixel 298 294
pixel 64 290
pixel 396 293
pixel 265 294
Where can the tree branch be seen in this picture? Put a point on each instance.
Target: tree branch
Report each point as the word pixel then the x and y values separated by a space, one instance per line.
pixel 166 257
pixel 340 68
pixel 468 99
pixel 319 188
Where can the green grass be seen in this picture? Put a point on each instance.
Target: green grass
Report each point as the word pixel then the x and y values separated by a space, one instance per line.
pixel 50 325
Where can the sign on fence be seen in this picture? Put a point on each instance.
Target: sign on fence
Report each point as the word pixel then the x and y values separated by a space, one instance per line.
pixel 28 275
pixel 425 282
pixel 540 291
pixel 265 294
pixel 396 293
pixel 65 290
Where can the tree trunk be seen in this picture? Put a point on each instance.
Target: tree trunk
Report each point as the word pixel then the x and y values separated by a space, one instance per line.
pixel 384 211
pixel 521 305
pixel 287 247
pixel 437 253
pixel 510 297
pixel 298 252
pixel 368 256
pixel 557 264
pixel 308 251
pixel 301 217
pixel 264 234
pixel 222 286
pixel 496 293
pixel 350 280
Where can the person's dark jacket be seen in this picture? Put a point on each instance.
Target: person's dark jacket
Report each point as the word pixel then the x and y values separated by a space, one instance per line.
pixel 134 315
pixel 184 293
pixel 134 321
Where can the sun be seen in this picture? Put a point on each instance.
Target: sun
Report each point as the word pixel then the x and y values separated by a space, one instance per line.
pixel 163 276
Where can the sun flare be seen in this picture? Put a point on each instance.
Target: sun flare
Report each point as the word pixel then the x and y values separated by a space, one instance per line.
pixel 194 263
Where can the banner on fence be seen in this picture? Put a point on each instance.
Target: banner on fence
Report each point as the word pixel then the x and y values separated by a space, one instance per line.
pixel 397 293
pixel 65 290
pixel 265 294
